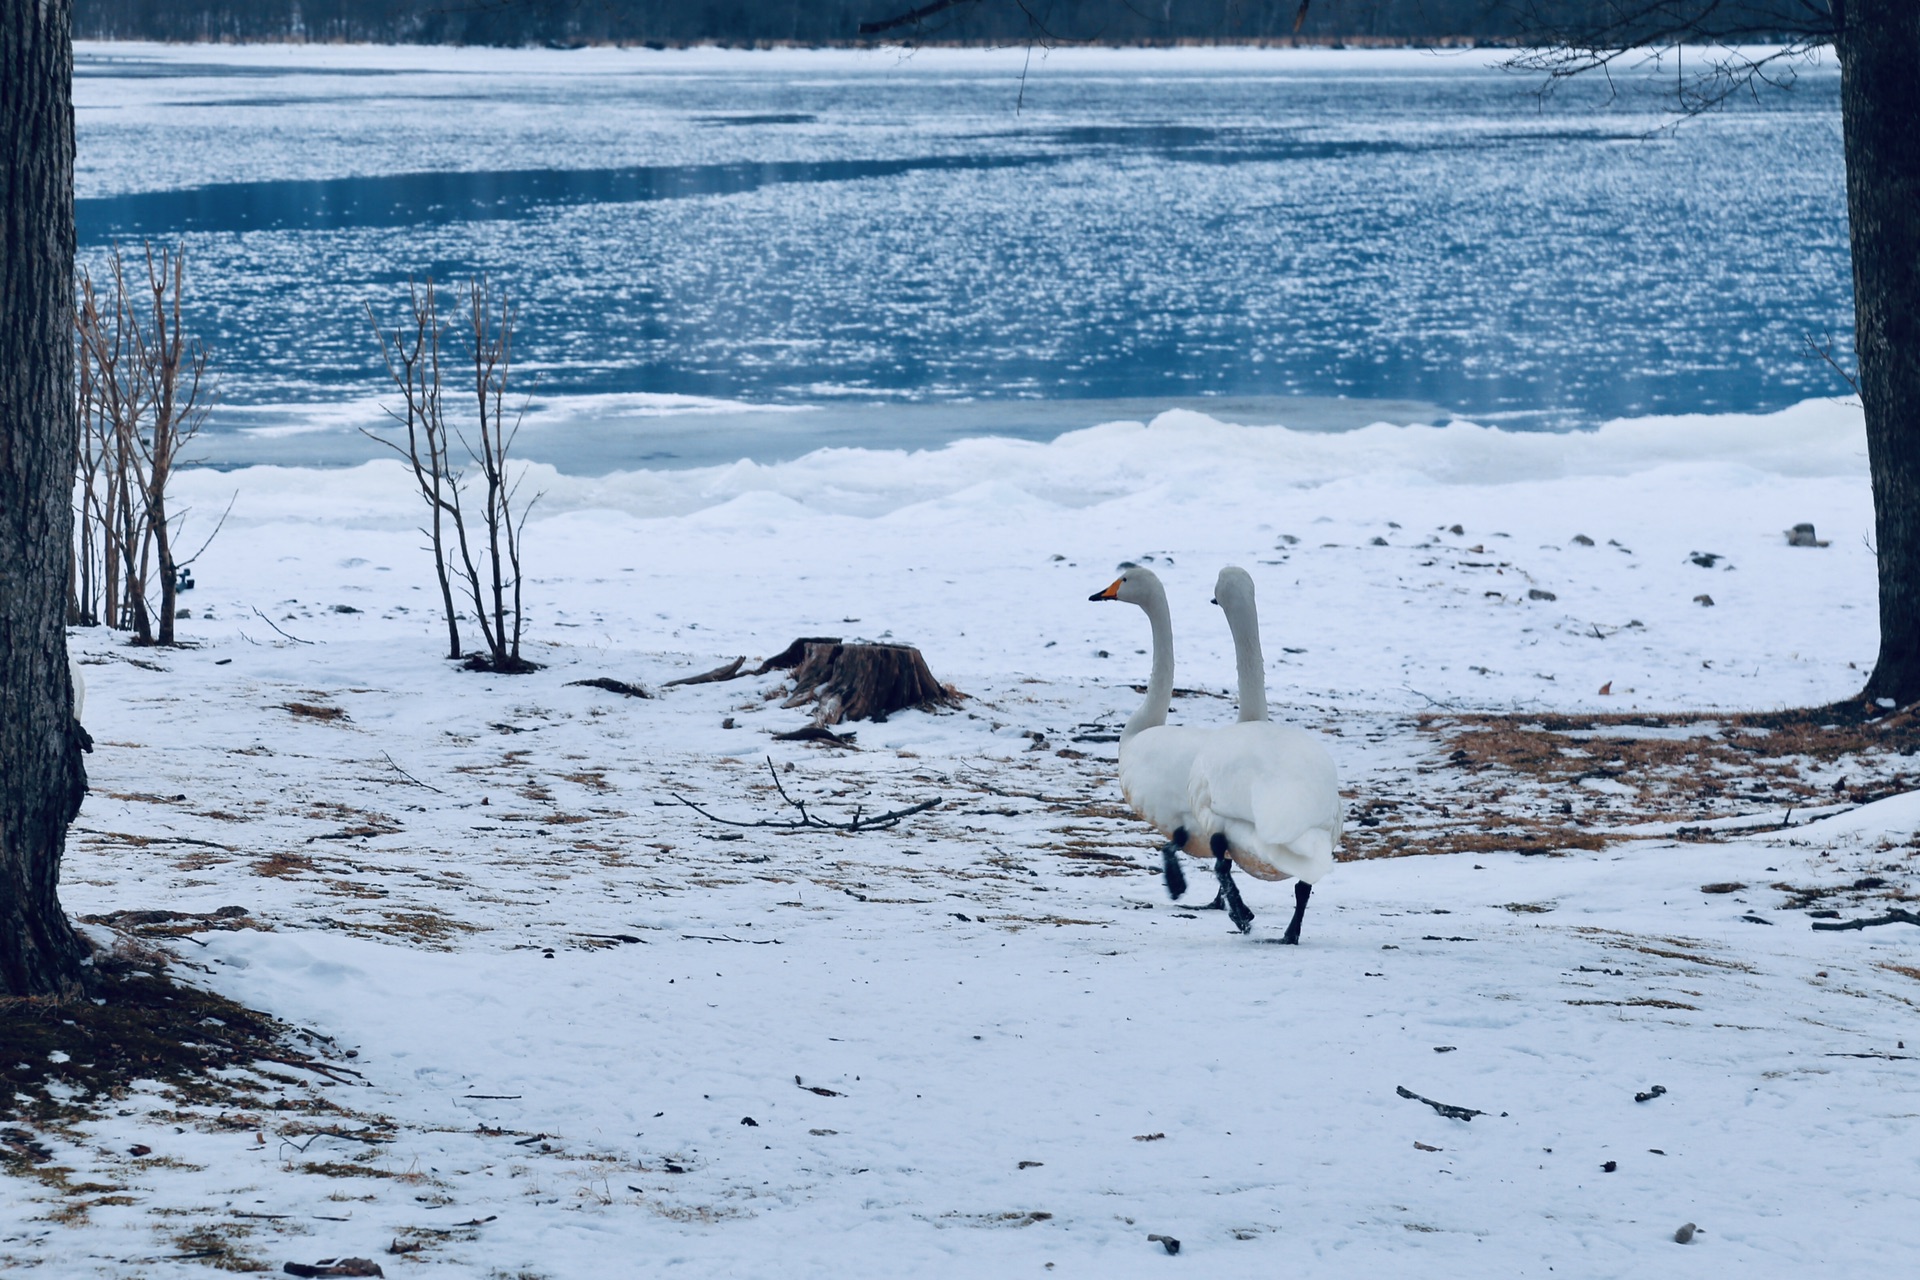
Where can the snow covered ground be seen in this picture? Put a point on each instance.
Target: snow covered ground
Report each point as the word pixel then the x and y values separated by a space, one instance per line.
pixel 597 1034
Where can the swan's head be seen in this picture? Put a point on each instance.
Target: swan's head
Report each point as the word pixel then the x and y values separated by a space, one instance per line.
pixel 1233 589
pixel 1134 586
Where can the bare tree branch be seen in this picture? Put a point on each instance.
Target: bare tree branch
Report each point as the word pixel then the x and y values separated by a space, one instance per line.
pixel 1738 46
pixel 1825 352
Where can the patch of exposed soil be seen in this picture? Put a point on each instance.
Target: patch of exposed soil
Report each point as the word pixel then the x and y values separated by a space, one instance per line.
pixel 63 1059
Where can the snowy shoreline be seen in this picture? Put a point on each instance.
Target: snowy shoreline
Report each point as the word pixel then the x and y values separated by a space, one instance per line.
pixel 1033 1059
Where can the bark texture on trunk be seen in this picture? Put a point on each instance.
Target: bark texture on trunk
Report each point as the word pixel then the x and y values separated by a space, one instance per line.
pixel 864 681
pixel 41 776
pixel 1879 47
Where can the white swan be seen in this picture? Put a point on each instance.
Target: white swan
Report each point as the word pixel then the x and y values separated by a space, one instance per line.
pixel 1265 795
pixel 79 689
pixel 1156 758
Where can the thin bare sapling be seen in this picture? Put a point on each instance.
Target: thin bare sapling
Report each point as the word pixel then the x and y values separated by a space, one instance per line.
pixel 483 554
pixel 492 320
pixel 412 357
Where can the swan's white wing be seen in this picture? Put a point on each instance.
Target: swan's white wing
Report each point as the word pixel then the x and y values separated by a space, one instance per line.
pixel 1299 792
pixel 1270 785
pixel 1155 765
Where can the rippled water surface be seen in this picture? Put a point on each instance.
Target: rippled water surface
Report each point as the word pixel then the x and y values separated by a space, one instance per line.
pixel 836 229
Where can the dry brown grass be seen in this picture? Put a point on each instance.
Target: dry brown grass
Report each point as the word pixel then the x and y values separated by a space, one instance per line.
pixel 1550 783
pixel 314 711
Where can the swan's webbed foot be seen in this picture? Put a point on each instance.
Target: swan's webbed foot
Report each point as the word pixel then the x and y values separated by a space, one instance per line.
pixel 1237 910
pixel 1219 903
pixel 1170 863
pixel 1301 892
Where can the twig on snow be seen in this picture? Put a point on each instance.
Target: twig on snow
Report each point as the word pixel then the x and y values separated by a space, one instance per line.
pixel 1446 1109
pixel 806 821
pixel 410 778
pixel 276 626
pixel 328 1069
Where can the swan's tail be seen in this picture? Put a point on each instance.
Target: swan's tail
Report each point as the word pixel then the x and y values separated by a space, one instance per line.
pixel 1315 843
pixel 1289 807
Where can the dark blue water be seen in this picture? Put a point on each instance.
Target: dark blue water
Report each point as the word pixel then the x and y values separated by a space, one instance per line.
pixel 826 232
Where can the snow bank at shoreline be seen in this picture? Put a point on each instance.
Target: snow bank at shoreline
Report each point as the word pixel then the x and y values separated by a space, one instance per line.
pixel 984 551
pixel 1178 450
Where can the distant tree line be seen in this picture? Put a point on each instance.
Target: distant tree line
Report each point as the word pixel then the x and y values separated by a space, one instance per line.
pixel 750 22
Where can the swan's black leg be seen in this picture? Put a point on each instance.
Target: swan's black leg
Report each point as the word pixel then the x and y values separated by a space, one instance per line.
pixel 1219 903
pixel 1301 892
pixel 1170 861
pixel 1223 869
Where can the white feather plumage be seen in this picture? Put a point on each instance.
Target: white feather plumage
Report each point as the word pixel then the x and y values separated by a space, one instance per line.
pixel 1271 789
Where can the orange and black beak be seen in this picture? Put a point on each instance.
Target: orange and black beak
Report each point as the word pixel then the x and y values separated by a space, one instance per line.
pixel 1111 593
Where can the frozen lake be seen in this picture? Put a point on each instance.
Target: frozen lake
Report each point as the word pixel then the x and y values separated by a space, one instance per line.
pixel 908 250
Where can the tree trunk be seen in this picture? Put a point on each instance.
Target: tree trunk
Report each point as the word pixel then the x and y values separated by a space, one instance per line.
pixel 1879 47
pixel 163 543
pixel 41 776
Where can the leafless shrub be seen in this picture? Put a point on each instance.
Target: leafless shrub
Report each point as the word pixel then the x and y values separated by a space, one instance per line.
pixel 143 394
pixel 413 355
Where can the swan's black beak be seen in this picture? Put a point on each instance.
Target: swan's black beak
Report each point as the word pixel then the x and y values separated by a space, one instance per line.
pixel 1215 600
pixel 1111 593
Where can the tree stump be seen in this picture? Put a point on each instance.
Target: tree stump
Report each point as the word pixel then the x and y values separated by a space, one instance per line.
pixel 854 681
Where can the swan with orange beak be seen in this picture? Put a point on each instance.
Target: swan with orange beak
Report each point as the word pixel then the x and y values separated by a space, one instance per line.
pixel 1156 758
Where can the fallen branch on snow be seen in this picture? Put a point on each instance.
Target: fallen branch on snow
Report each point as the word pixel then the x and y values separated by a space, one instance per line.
pixel 725 671
pixel 816 733
pixel 1895 916
pixel 613 686
pixel 1446 1109
pixel 806 821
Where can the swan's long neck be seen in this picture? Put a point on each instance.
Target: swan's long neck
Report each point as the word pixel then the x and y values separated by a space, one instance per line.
pixel 1153 711
pixel 1247 658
